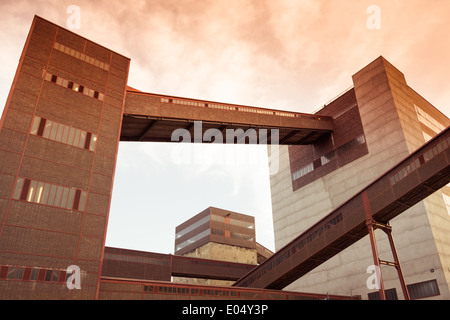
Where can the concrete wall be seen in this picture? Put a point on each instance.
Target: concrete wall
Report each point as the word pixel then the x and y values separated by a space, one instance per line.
pixel 392 131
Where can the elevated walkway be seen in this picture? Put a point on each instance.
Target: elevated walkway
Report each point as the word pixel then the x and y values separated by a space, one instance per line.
pixel 154 117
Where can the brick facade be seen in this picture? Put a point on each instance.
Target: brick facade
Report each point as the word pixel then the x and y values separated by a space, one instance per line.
pixel 47 235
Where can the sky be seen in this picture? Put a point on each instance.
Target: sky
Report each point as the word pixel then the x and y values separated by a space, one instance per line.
pixel 294 55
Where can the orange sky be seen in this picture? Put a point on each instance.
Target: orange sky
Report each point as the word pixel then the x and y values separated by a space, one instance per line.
pixel 284 54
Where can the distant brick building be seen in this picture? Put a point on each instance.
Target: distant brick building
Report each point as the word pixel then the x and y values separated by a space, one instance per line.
pixel 219 234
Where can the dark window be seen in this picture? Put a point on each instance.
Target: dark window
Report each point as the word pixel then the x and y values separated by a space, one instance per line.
pixel 55 276
pixel 421 160
pixel 148 288
pixel 423 289
pixel 54 78
pixel 48 275
pixel 87 142
pixel 76 201
pixel 34 274
pixel 26 186
pixel 19 273
pixel 96 94
pixel 11 273
pixel 70 85
pixel 81 89
pixel 391 294
pixel 41 128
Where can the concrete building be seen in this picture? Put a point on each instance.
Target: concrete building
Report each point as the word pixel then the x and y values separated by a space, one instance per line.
pixel 378 122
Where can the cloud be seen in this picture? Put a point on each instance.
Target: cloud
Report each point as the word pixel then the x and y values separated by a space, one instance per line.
pixel 293 55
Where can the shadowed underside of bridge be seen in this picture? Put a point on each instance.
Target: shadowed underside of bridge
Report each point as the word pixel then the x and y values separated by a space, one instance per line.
pixel 152 117
pixel 409 182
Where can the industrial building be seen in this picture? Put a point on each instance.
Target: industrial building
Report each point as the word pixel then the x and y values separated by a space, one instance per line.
pixel 376 157
pixel 377 123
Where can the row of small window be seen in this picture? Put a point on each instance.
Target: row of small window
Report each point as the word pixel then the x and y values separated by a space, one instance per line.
pixel 50 194
pixel 73 86
pixel 195 238
pixel 187 291
pixel 81 56
pixel 419 290
pixel 225 107
pixel 191 227
pixel 228 234
pixel 429 121
pixel 146 260
pixel 63 133
pixel 420 161
pixel 32 274
pixel 235 222
pixel 330 156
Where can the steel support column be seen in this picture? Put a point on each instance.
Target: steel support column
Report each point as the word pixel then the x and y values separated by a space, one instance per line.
pixel 397 263
pixel 372 225
pixel 376 259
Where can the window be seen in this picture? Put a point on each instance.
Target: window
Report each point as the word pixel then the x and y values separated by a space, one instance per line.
pixel 52 275
pixel 32 274
pixel 81 56
pixel 423 289
pixel 391 294
pixel 72 85
pixel 192 227
pixel 347 147
pixel 420 161
pixel 429 121
pixel 227 107
pixel 148 288
pixel 330 156
pixel 193 239
pixel 303 171
pixel 49 194
pixel 63 133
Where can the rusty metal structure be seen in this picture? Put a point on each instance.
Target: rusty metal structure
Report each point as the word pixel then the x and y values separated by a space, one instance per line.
pixel 154 117
pixel 410 181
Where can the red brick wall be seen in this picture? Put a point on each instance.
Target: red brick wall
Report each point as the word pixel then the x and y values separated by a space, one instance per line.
pixel 43 236
pixel 347 127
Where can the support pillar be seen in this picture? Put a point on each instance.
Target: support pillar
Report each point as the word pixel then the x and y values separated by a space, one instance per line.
pixel 372 225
